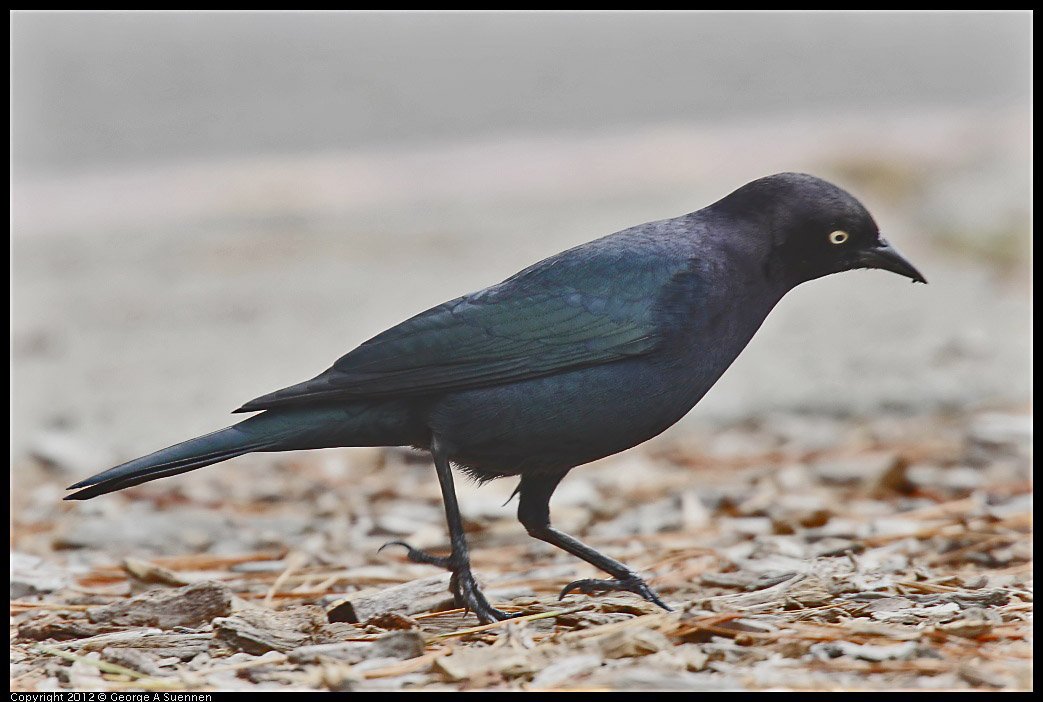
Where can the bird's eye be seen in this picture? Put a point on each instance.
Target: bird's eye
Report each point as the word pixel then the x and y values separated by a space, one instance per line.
pixel 838 237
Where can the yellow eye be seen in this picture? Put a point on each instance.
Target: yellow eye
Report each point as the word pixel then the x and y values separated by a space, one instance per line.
pixel 838 237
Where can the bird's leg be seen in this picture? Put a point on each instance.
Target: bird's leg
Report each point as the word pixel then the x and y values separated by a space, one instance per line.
pixel 458 562
pixel 534 493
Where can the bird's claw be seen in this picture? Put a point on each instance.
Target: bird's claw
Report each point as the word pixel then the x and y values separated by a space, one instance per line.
pixel 468 596
pixel 634 584
pixel 463 585
pixel 418 556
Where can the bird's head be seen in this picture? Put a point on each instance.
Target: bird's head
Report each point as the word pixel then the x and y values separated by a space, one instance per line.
pixel 813 229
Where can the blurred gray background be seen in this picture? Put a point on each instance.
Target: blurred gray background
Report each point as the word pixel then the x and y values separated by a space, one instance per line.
pixel 207 207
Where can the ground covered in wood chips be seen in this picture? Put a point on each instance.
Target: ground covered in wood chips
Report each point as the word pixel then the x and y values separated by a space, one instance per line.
pixel 798 552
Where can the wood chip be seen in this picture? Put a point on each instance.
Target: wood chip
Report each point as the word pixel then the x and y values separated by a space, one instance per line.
pixel 407 598
pixel 258 631
pixel 187 606
pixel 400 645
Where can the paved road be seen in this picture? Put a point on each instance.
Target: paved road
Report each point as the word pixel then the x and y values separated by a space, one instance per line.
pixel 98 89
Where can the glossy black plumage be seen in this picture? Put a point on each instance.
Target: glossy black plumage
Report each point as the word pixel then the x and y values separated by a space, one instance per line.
pixel 577 357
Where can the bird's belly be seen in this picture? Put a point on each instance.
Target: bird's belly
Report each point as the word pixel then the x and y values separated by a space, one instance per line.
pixel 561 421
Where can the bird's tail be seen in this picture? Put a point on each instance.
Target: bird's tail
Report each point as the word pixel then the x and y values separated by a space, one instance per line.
pixel 389 423
pixel 188 455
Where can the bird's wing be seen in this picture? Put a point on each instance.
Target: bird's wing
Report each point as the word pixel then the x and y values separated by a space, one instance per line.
pixel 544 320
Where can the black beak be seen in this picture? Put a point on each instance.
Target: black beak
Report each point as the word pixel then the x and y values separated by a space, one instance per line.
pixel 884 257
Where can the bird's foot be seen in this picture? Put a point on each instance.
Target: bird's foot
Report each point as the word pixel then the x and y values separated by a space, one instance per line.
pixel 633 583
pixel 467 594
pixel 463 585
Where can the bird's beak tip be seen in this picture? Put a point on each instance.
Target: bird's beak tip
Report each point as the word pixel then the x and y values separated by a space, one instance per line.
pixel 885 257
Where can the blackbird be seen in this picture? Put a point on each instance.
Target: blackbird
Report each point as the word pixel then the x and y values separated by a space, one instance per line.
pixel 580 356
